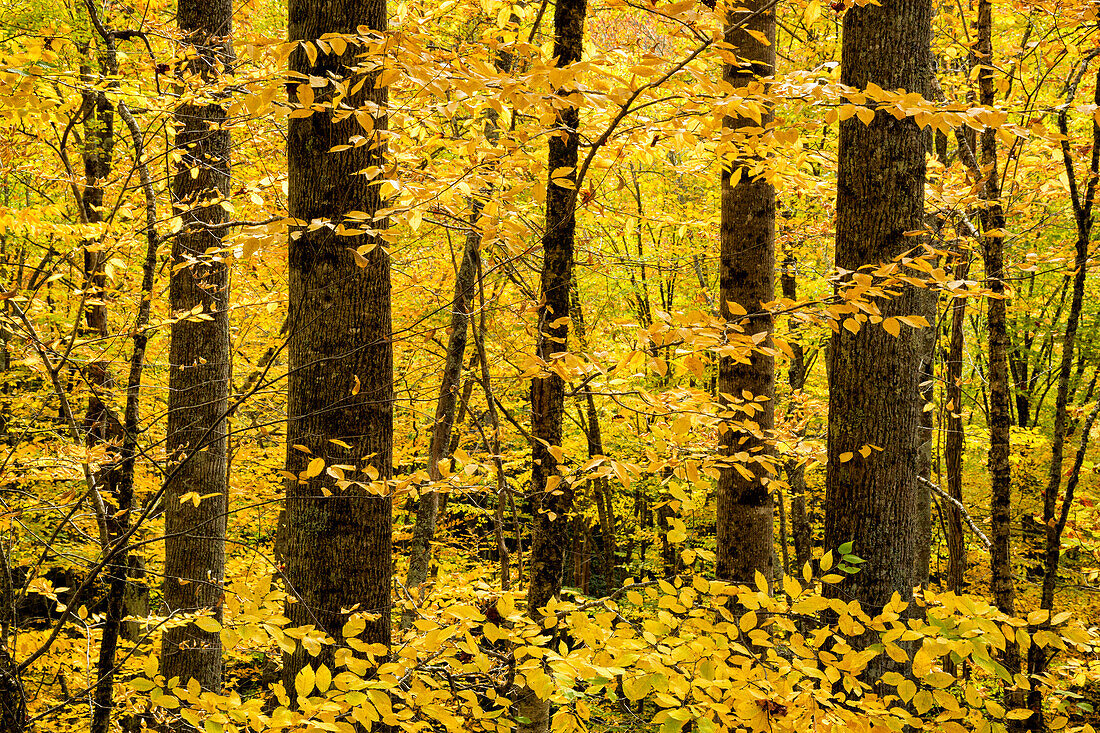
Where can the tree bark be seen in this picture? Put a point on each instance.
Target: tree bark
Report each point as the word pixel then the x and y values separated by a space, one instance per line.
pixel 747 278
pixel 955 443
pixel 553 497
pixel 874 393
pixel 199 357
pixel 338 535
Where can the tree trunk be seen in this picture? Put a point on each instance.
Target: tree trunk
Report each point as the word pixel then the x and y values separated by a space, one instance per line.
pixel 747 279
pixel 553 497
pixel 338 546
pixel 199 357
pixel 601 486
pixel 427 510
pixel 796 470
pixel 874 393
pixel 1053 519
pixel 955 444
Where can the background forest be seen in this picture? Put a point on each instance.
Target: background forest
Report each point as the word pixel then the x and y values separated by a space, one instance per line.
pixel 494 366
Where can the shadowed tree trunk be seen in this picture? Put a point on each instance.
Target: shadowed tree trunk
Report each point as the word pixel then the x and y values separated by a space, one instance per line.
pixel 199 360
pixel 747 279
pixel 955 444
pixel 340 401
pixel 874 396
pixel 552 498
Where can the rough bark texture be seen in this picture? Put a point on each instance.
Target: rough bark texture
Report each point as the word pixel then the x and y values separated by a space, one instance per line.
pixel 1000 414
pixel 338 547
pixel 199 358
pixel 552 499
pixel 13 698
pixel 874 396
pixel 747 278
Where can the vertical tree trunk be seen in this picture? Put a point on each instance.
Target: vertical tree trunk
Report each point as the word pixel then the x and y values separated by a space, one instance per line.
pixel 553 497
pixel 118 522
pixel 1053 519
pixel 338 546
pixel 1000 409
pixel 427 511
pixel 13 698
pixel 601 486
pixel 874 396
pixel 199 355
pixel 955 444
pixel 747 278
pixel 796 469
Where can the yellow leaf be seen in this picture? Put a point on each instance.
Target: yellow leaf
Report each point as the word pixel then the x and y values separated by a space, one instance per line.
pixel 311 52
pixel 207 624
pixel 846 456
pixel 892 327
pixel 304 681
pixel 748 621
pixel 865 115
pixel 761 582
pixel 323 678
pixel 305 95
pixel 314 468
pixel 758 36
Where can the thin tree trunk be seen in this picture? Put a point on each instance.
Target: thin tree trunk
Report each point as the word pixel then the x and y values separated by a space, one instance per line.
pixel 338 534
pixel 427 512
pixel 955 444
pixel 1053 519
pixel 428 507
pixel 199 356
pixel 796 470
pixel 747 280
pixel 601 485
pixel 553 497
pixel 874 392
pixel 118 522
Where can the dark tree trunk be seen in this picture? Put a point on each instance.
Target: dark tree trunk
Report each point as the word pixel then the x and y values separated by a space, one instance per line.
pixel 955 444
pixel 1054 518
pixel 747 279
pixel 553 497
pixel 338 546
pixel 874 394
pixel 199 356
pixel 13 698
pixel 1000 409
